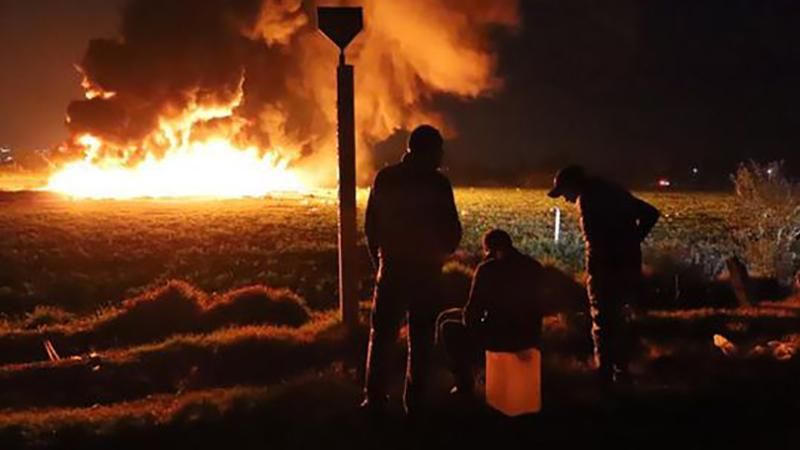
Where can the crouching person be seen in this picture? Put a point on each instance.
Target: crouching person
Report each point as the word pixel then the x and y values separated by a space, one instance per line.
pixel 503 314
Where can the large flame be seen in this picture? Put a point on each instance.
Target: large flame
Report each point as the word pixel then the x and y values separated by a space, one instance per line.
pixel 167 111
pixel 213 168
pixel 188 166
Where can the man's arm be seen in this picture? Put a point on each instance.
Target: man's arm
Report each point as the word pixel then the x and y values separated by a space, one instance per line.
pixel 372 224
pixel 452 222
pixel 590 217
pixel 478 299
pixel 646 216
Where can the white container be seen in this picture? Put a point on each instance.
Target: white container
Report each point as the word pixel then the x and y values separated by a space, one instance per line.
pixel 514 382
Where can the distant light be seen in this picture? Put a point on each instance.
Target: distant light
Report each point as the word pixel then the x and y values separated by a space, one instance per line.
pixel 695 170
pixel 664 182
pixel 770 172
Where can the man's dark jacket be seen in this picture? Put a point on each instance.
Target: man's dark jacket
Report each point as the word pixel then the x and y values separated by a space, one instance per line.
pixel 411 218
pixel 614 223
pixel 505 304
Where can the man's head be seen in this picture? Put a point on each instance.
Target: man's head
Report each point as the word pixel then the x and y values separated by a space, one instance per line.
pixel 568 183
pixel 426 146
pixel 497 244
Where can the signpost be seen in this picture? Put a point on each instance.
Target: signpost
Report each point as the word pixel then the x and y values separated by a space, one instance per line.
pixel 341 25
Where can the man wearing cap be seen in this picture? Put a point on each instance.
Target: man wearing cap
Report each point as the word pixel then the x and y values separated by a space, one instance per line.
pixel 412 226
pixel 614 224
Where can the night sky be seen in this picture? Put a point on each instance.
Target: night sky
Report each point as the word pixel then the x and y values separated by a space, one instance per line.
pixel 636 90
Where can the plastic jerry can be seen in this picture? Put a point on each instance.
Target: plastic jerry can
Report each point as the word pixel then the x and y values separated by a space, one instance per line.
pixel 514 381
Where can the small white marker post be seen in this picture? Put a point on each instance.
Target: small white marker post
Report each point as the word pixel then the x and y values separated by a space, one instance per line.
pixel 557 232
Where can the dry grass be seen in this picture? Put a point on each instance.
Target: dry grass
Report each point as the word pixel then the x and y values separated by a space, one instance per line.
pixel 765 322
pixel 246 355
pixel 175 308
pixel 190 364
pixel 122 425
pixel 257 304
pixel 198 387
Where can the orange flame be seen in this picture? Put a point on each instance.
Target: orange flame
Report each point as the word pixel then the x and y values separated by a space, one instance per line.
pixel 410 52
pixel 213 166
pixel 91 91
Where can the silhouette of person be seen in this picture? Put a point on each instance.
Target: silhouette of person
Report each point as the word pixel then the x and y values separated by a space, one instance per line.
pixel 614 224
pixel 412 226
pixel 503 314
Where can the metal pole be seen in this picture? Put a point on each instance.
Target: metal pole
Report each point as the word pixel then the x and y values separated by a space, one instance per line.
pixel 341 25
pixel 348 283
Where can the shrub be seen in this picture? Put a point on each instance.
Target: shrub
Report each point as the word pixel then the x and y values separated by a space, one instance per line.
pixel 456 283
pixel 44 315
pixel 257 304
pixel 768 225
pixel 174 308
pixel 178 307
pixel 561 293
pixel 567 254
pixel 679 275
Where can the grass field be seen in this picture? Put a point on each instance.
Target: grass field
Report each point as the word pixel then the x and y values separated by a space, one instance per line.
pixel 218 359
pixel 85 254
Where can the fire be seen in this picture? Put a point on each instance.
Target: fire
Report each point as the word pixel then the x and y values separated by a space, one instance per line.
pixel 167 111
pixel 214 168
pixel 189 166
pixel 92 92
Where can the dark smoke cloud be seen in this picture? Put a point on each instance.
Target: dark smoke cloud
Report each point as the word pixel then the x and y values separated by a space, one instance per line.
pixel 168 54
pixel 173 55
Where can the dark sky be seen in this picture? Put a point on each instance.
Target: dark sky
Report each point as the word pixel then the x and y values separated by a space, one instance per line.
pixel 40 41
pixel 632 88
pixel 643 88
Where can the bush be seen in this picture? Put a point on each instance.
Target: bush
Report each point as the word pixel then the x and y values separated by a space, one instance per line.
pixel 177 308
pixel 561 293
pixel 456 283
pixel 257 304
pixel 172 309
pixel 768 225
pixel 44 315
pixel 567 255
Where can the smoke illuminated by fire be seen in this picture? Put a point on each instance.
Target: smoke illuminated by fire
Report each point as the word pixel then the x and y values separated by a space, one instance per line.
pixel 230 98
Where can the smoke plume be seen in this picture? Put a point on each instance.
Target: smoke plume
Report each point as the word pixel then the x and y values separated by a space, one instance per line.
pixel 260 70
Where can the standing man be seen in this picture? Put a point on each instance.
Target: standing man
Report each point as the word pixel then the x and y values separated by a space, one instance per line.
pixel 412 225
pixel 614 224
